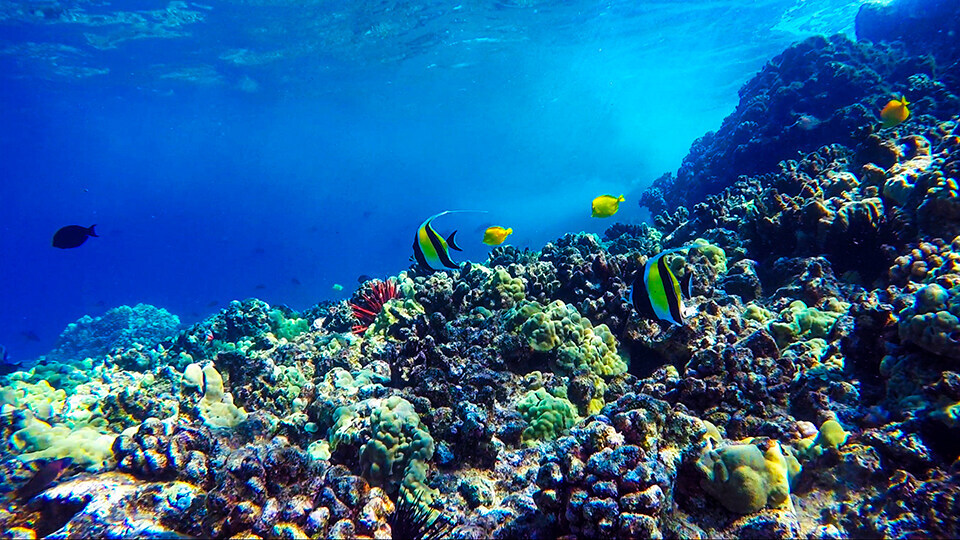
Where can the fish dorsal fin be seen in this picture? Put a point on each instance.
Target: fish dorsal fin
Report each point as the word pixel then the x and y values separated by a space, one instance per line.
pixel 685 285
pixel 452 243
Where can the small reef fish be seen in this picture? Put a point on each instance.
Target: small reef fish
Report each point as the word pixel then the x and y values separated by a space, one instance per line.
pixel 45 475
pixel 363 278
pixel 337 287
pixel 72 236
pixel 606 205
pixel 295 281
pixel 30 335
pixel 430 250
pixel 895 112
pixel 494 236
pixel 656 293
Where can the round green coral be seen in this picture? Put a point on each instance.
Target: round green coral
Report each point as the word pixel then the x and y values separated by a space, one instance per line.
pixel 548 416
pixel 933 322
pixel 748 477
pixel 799 322
pixel 579 344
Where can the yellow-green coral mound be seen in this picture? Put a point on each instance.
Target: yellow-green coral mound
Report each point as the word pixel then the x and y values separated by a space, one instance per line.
pixel 748 477
pixel 578 344
pixel 547 415
pixel 799 322
pixel 933 322
pixel 398 446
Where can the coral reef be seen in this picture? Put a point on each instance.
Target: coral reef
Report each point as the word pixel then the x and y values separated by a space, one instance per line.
pixel 524 397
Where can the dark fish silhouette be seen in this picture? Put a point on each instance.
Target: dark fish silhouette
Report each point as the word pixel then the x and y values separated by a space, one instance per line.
pixel 6 364
pixel 295 281
pixel 45 475
pixel 72 236
pixel 213 303
pixel 30 335
pixel 259 251
pixel 363 278
pixel 261 286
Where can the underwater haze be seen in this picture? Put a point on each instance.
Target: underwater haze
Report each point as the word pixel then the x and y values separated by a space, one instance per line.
pixel 227 150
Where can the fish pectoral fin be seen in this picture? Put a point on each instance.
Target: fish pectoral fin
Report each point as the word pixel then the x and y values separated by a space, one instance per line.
pixel 452 243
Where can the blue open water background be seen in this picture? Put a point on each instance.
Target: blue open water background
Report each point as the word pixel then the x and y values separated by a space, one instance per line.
pixel 226 149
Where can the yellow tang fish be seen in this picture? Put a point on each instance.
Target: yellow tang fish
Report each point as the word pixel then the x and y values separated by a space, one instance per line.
pixel 606 205
pixel 430 250
pixel 494 236
pixel 895 112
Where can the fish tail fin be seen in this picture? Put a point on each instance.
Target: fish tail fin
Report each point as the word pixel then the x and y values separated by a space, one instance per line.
pixel 510 230
pixel 91 232
pixel 620 198
pixel 452 242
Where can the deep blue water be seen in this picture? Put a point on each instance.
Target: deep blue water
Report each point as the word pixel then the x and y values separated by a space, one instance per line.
pixel 225 149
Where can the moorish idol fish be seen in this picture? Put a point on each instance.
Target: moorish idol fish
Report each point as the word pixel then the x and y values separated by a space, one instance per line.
pixel 430 250
pixel 656 292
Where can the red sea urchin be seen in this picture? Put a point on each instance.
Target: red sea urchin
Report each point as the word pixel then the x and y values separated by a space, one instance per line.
pixel 370 302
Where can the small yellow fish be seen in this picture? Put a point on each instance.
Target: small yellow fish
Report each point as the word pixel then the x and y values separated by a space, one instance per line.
pixel 337 287
pixel 494 236
pixel 895 112
pixel 606 205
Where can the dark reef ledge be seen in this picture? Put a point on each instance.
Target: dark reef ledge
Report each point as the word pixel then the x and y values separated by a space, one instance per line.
pixel 825 91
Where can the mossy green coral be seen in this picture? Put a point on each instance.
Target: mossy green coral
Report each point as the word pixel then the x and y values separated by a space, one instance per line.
pixel 507 290
pixel 548 416
pixel 287 327
pixel 579 344
pixel 830 435
pixel 398 445
pixel 392 312
pixel 748 477
pixel 799 322
pixel 933 321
